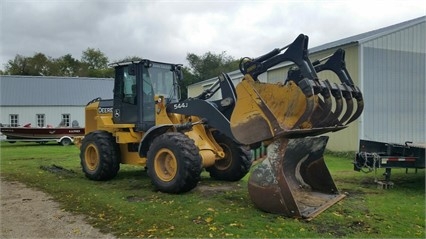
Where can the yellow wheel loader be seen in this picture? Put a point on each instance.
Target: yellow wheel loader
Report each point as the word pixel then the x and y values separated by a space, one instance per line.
pixel 147 124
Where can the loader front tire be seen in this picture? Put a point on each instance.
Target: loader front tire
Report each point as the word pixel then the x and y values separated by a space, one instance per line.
pixel 237 161
pixel 99 156
pixel 174 163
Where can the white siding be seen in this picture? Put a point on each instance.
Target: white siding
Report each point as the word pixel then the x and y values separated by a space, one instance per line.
pixel 52 114
pixel 394 86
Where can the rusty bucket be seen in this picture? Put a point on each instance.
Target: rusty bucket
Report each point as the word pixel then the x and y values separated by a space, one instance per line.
pixel 293 179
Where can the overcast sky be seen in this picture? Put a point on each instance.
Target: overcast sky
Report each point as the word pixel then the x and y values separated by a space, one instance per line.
pixel 168 30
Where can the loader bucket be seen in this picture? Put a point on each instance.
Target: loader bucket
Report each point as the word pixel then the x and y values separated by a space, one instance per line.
pixel 268 108
pixel 293 180
pixel 277 110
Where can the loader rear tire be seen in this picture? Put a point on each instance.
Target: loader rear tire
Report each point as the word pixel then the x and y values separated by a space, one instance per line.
pixel 237 161
pixel 174 163
pixel 99 156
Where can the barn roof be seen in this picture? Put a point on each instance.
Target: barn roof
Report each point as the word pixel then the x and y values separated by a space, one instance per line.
pixel 52 90
pixel 366 36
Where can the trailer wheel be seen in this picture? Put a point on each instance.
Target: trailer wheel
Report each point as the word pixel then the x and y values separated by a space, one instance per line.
pixel 65 142
pixel 174 163
pixel 237 161
pixel 100 156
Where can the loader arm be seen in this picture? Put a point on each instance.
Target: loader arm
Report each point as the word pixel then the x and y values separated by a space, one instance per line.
pixel 297 52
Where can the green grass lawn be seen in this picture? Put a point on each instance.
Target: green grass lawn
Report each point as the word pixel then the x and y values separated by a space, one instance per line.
pixel 127 206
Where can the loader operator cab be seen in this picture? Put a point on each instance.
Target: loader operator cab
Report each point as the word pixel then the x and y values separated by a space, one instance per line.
pixel 137 85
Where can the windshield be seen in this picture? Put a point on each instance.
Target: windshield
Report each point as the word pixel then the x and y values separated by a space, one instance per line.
pixel 163 81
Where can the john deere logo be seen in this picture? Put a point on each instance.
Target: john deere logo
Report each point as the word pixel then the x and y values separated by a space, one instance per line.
pixel 102 110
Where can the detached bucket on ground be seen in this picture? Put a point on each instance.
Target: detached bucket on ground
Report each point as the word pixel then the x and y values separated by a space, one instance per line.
pixel 293 180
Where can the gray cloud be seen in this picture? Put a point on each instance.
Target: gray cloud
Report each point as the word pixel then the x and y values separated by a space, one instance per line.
pixel 168 30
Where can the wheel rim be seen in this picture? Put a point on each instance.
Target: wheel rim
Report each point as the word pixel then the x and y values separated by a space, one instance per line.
pixel 225 162
pixel 66 142
pixel 165 165
pixel 91 157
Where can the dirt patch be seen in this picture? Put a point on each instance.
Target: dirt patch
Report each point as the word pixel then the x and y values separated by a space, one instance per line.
pixel 211 190
pixel 28 213
pixel 58 170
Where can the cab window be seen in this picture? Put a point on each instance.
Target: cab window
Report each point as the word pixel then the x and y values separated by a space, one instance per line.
pixel 129 86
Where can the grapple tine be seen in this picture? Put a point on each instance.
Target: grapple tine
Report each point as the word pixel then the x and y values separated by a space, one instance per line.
pixel 293 180
pixel 349 103
pixel 360 106
pixel 337 93
pixel 323 110
pixel 332 118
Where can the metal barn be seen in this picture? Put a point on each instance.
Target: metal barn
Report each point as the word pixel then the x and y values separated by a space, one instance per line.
pixel 48 100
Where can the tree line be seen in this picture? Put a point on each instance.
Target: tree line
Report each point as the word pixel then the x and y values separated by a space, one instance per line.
pixel 94 63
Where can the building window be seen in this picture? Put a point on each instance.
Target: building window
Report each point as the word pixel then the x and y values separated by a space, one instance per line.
pixel 41 120
pixel 14 120
pixel 65 121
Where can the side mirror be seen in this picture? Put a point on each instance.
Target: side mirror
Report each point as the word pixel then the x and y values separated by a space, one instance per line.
pixel 180 75
pixel 132 70
pixel 178 70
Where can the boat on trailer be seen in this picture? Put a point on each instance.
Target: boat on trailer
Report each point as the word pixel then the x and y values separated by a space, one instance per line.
pixel 62 135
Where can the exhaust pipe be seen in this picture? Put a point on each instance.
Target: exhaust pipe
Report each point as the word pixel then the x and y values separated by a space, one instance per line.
pixel 293 180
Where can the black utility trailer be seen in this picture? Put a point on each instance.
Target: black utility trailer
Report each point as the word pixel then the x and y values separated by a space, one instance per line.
pixel 373 155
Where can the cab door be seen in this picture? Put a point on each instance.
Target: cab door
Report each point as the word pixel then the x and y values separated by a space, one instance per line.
pixel 134 96
pixel 125 109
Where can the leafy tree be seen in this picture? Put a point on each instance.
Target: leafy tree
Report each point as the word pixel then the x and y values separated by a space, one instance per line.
pixel 18 66
pixel 210 64
pixel 95 63
pixel 188 79
pixel 95 59
pixel 37 65
pixel 203 67
pixel 68 66
pixel 40 65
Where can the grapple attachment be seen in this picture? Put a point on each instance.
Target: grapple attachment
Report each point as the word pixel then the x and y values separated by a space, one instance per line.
pixel 293 180
pixel 336 63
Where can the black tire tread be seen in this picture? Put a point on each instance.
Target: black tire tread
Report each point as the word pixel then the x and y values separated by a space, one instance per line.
pixel 241 161
pixel 189 172
pixel 109 154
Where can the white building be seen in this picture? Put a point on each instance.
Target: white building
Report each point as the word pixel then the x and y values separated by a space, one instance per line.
pixel 49 100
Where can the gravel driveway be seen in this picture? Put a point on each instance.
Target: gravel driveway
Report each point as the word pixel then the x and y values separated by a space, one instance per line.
pixel 28 213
